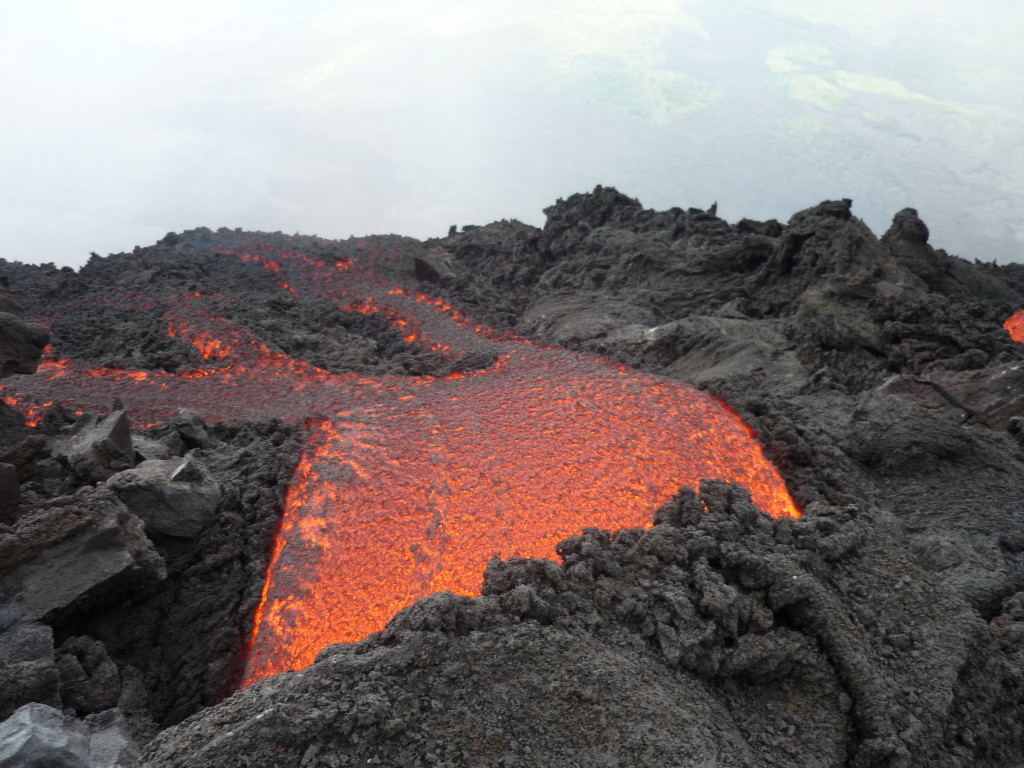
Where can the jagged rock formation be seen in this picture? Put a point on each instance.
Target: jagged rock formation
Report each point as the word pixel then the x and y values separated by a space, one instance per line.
pixel 884 628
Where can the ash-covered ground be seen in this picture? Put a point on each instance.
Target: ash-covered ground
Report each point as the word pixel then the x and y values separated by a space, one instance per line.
pixel 885 627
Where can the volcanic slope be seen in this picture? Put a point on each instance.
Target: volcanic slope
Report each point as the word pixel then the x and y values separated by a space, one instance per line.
pixel 883 627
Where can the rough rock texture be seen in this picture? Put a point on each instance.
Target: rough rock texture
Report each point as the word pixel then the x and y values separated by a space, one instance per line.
pixel 9 302
pixel 884 628
pixel 68 557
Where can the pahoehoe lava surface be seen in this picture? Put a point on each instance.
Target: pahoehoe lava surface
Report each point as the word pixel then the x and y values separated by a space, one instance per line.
pixel 883 627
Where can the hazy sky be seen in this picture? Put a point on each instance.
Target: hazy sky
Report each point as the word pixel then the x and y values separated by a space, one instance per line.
pixel 126 119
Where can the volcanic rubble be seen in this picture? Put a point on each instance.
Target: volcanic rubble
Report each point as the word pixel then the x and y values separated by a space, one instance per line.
pixel 884 627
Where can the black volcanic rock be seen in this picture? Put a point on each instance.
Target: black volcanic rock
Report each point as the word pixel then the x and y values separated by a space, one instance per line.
pixel 181 640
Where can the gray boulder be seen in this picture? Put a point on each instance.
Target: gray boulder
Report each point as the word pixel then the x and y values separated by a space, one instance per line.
pixel 96 449
pixel 38 735
pixel 27 669
pixel 173 497
pixel 703 349
pixel 21 345
pixel 24 455
pixel 68 557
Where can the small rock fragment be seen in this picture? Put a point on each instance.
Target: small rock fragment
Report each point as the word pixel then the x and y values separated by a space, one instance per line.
pixel 192 428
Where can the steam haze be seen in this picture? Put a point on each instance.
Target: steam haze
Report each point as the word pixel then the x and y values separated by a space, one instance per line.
pixel 126 120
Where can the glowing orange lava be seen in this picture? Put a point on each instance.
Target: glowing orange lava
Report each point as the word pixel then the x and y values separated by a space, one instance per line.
pixel 408 485
pixel 1015 325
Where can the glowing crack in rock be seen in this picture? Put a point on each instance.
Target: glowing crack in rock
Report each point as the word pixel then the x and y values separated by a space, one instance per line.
pixel 409 485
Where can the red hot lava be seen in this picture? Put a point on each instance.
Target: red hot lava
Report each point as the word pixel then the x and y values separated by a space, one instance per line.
pixel 408 485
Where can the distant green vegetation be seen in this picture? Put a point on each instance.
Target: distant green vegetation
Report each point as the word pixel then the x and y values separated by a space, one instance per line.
pixel 654 95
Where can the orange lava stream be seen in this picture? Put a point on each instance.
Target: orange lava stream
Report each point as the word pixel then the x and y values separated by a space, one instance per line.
pixel 391 503
pixel 1015 325
pixel 408 485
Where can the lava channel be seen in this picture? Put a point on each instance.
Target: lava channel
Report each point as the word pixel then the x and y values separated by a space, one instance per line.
pixel 409 485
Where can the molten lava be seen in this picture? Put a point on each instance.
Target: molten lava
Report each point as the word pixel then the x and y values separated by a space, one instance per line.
pixel 1015 325
pixel 408 485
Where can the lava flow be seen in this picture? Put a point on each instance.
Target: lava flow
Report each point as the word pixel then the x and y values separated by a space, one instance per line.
pixel 409 485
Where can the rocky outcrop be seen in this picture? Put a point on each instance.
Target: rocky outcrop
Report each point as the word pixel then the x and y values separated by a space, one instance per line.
pixel 156 648
pixel 198 617
pixel 436 266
